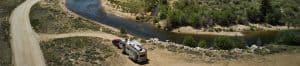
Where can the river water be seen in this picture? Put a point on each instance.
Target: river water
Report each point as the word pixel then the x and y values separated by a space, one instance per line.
pixel 93 10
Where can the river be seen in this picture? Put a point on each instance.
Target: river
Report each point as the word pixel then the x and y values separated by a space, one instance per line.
pixel 93 10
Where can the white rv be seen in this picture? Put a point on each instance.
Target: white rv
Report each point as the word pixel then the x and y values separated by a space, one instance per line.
pixel 133 49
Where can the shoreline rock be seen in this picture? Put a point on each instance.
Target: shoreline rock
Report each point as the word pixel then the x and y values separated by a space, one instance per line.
pixel 235 30
pixel 208 54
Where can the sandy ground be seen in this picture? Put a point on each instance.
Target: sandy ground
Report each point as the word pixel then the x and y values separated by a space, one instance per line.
pixel 24 42
pixel 117 12
pixel 237 29
pixel 163 57
pixel 191 30
pixel 272 27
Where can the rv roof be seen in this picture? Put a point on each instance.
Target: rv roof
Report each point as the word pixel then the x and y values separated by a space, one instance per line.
pixel 136 45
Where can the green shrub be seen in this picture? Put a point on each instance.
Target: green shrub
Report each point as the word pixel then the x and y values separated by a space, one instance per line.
pixel 223 43
pixel 239 43
pixel 189 41
pixel 123 31
pixel 202 43
pixel 227 43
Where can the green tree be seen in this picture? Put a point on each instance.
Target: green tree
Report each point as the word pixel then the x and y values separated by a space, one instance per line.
pixel 265 9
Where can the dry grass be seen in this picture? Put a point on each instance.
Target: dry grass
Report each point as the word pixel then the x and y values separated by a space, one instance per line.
pixel 48 17
pixel 78 51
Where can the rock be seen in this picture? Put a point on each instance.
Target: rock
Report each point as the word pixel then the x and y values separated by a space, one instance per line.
pixel 72 60
pixel 97 62
pixel 148 41
pixel 236 50
pixel 262 51
pixel 167 40
pixel 186 47
pixel 254 46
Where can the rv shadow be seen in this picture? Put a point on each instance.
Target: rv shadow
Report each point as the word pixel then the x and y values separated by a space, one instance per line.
pixel 141 63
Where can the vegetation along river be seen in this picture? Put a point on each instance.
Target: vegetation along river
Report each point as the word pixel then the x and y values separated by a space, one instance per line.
pixel 93 10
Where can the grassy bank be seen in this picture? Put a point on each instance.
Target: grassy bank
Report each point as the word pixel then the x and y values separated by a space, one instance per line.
pixel 77 51
pixel 6 7
pixel 49 17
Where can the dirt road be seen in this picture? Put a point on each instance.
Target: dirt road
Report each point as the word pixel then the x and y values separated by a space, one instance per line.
pixel 24 42
pixel 45 37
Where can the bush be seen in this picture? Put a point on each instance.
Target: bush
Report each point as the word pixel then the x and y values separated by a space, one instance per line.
pixel 223 43
pixel 288 38
pixel 189 41
pixel 202 43
pixel 123 31
pixel 239 43
pixel 227 43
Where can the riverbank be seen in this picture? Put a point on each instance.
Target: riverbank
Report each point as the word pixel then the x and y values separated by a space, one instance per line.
pixel 109 9
pixel 191 30
pixel 62 5
pixel 270 55
pixel 63 20
pixel 235 30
